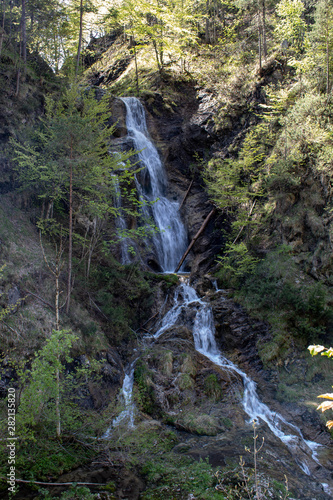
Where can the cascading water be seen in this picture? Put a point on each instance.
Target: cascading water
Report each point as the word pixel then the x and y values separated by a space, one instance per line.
pixel 204 341
pixel 171 240
pixel 127 415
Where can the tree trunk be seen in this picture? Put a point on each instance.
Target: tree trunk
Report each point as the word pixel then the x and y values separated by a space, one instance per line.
pixel 3 25
pixel 18 75
pixel 70 234
pixel 264 44
pixel 161 48
pixel 259 42
pixel 327 62
pixel 207 30
pixel 24 38
pixel 214 22
pixel 56 273
pixel 157 57
pixel 80 38
pixel 58 420
pixel 136 70
pixel 10 20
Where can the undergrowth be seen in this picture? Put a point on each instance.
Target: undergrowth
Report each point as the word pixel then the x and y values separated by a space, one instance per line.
pixel 298 308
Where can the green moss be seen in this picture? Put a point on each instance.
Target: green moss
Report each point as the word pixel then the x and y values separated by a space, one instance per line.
pixel 287 393
pixel 144 392
pixel 187 365
pixel 45 457
pixel 227 422
pixel 125 295
pixel 184 382
pixel 213 387
pixel 166 363
pixel 203 425
pixel 149 438
pixel 178 479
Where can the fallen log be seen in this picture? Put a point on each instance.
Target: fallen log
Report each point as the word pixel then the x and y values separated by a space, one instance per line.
pixel 186 194
pixel 202 228
pixel 55 484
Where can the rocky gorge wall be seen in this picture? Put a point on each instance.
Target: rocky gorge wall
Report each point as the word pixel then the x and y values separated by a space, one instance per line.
pixel 181 137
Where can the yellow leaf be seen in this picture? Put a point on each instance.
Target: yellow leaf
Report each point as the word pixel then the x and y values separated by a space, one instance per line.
pixel 326 405
pixel 327 396
pixel 315 349
pixel 328 352
pixel 329 424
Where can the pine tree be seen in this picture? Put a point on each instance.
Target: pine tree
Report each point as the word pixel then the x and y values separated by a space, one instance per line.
pixel 291 25
pixel 68 163
pixel 320 50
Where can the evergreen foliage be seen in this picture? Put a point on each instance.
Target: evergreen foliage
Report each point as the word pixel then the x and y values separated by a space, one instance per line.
pixel 67 161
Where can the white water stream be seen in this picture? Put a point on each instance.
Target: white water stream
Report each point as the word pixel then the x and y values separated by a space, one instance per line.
pixel 127 414
pixel 171 240
pixel 204 341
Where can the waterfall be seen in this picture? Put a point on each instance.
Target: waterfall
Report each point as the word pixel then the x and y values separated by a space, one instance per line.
pixel 170 241
pixel 204 341
pixel 127 415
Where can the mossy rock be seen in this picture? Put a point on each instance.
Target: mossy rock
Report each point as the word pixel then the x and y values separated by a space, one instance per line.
pixel 166 363
pixel 227 423
pixel 212 387
pixel 185 382
pixel 188 366
pixel 203 425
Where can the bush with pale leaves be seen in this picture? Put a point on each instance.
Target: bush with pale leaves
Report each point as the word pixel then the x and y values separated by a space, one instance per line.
pixel 326 405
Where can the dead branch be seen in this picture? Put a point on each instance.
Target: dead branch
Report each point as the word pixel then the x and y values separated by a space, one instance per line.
pixel 96 306
pixel 42 300
pixel 241 229
pixel 186 194
pixel 55 484
pixel 152 317
pixel 202 228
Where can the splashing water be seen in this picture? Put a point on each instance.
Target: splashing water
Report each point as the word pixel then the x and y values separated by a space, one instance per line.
pixel 170 244
pixel 171 240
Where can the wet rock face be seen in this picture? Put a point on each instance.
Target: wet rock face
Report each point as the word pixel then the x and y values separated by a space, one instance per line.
pixel 301 221
pixel 234 328
pixel 98 392
pixel 183 132
pixel 183 385
pixel 117 118
pixel 180 132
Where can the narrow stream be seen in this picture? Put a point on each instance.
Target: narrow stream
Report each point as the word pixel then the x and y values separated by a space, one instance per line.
pixel 127 414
